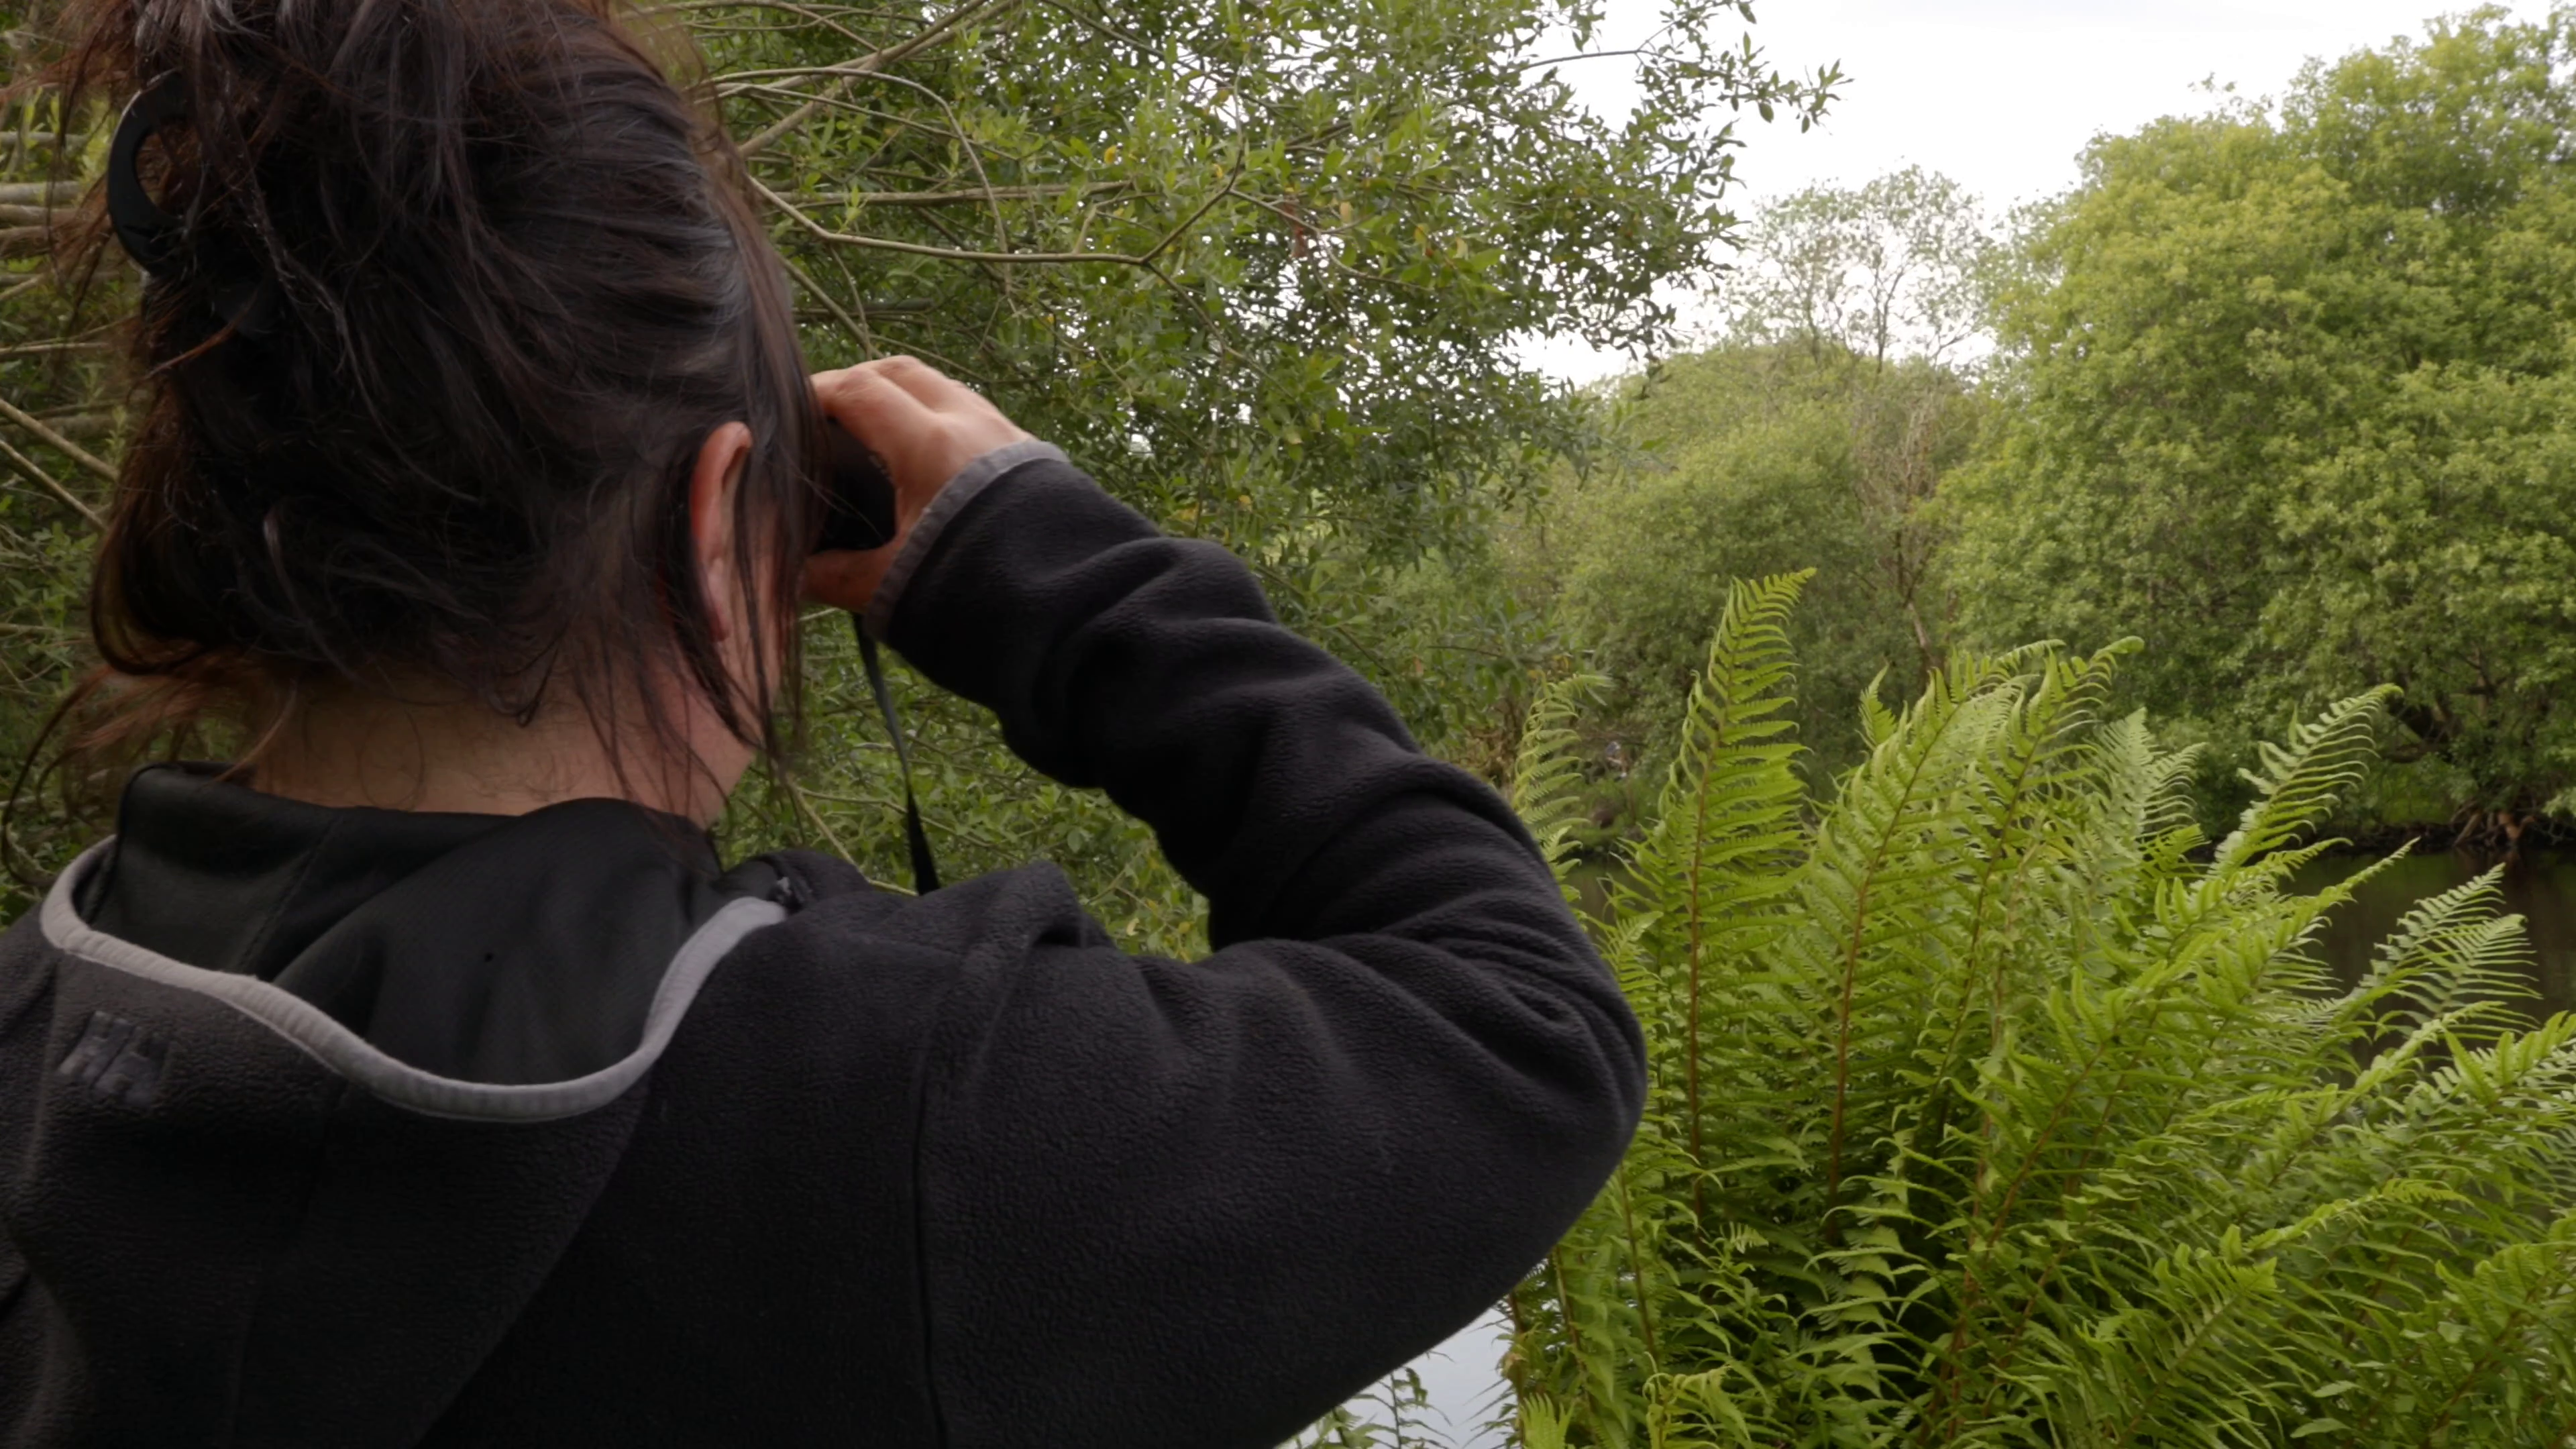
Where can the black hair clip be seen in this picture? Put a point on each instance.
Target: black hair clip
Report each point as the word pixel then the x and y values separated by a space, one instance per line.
pixel 157 240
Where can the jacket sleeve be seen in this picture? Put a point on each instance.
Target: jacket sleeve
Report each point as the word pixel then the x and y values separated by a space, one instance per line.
pixel 1199 1204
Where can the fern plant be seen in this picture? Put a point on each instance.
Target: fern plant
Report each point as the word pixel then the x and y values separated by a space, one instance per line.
pixel 1992 1104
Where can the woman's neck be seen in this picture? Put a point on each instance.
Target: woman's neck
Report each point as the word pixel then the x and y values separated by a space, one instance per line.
pixel 349 748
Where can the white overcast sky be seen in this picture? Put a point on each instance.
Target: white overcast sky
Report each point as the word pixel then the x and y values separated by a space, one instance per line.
pixel 1998 94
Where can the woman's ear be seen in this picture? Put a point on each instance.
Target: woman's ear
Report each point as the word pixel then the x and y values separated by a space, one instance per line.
pixel 713 484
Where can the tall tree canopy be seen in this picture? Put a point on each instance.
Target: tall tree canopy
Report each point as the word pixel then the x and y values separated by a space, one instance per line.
pixel 2287 390
pixel 1256 263
pixel 1815 436
pixel 1760 458
pixel 1260 264
pixel 1896 268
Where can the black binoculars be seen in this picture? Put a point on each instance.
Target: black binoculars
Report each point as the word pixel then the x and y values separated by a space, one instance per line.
pixel 859 512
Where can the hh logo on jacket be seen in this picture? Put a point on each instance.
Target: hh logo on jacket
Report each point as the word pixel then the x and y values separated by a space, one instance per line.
pixel 118 1059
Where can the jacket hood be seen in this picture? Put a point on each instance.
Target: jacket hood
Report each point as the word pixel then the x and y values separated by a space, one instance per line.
pixel 254 1215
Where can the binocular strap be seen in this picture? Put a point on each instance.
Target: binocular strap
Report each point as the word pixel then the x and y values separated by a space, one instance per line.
pixel 925 871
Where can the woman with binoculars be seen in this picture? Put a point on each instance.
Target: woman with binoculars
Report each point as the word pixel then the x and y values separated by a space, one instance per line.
pixel 421 1077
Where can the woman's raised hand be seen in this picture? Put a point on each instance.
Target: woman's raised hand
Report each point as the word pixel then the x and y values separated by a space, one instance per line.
pixel 927 427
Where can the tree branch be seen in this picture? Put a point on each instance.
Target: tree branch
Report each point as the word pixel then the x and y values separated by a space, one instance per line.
pixel 960 254
pixel 28 466
pixel 859 331
pixel 68 448
pixel 64 344
pixel 864 65
pixel 813 14
pixel 969 196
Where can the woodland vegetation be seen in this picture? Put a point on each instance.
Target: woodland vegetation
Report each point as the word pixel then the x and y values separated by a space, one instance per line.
pixel 2280 390
pixel 1999 1094
pixel 1994 1103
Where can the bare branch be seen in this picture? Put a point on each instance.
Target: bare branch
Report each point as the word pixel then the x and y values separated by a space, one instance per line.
pixel 958 254
pixel 813 14
pixel 813 817
pixel 872 62
pixel 1307 223
pixel 1220 194
pixel 28 466
pixel 859 330
pixel 834 99
pixel 1097 26
pixel 65 344
pixel 974 156
pixel 66 446
pixel 823 233
pixel 1632 51
pixel 968 196
pixel 873 13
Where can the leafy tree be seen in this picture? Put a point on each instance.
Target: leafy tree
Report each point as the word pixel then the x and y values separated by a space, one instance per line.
pixel 1764 458
pixel 1257 265
pixel 1998 1105
pixel 2286 389
pixel 1898 267
pixel 1253 263
pixel 1815 436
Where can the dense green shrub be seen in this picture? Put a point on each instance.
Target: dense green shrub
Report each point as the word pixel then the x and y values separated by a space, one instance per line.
pixel 1994 1104
pixel 2286 389
pixel 1746 460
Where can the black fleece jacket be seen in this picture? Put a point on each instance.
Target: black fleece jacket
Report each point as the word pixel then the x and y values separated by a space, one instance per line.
pixel 349 1132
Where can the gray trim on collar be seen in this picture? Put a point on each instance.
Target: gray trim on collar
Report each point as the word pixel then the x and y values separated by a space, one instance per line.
pixel 961 490
pixel 352 1056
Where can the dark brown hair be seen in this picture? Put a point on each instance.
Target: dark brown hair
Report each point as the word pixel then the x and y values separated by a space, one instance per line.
pixel 513 282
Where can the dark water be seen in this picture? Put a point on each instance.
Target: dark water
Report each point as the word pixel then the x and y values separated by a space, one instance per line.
pixel 2539 886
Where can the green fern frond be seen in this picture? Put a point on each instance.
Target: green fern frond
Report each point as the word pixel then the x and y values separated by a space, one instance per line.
pixel 1547 773
pixel 1705 880
pixel 2450 953
pixel 2301 780
pixel 1984 1114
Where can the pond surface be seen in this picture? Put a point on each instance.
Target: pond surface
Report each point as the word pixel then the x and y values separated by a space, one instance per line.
pixel 2539 886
